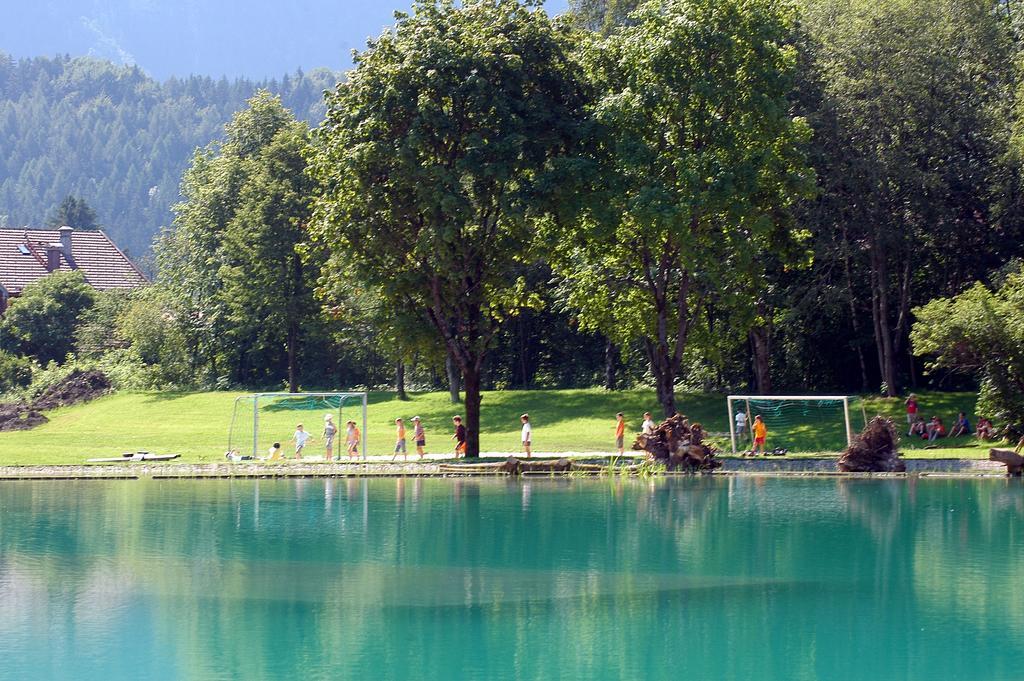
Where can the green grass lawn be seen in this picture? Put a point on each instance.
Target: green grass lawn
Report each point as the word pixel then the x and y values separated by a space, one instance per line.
pixel 196 425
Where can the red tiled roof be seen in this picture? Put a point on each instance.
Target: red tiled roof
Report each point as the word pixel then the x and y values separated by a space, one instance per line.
pixel 92 253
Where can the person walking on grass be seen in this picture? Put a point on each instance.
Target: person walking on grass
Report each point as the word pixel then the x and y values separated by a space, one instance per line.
pixel 400 440
pixel 419 436
pixel 760 435
pixel 459 436
pixel 352 437
pixel 527 432
pixel 620 433
pixel 648 426
pixel 300 438
pixel 330 431
pixel 911 412
pixel 741 424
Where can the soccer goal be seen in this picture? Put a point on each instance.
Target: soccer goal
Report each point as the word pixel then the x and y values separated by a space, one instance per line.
pixel 261 419
pixel 806 423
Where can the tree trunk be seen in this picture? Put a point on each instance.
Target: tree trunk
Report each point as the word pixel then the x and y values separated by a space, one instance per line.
pixel 760 337
pixel 664 379
pixel 523 352
pixel 611 360
pixel 471 378
pixel 293 379
pixel 400 381
pixel 880 314
pixel 854 317
pixel 452 369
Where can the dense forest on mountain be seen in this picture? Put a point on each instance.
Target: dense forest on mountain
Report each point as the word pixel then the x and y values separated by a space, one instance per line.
pixel 116 138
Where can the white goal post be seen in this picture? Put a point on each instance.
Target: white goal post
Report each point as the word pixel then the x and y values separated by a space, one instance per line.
pixel 331 403
pixel 745 400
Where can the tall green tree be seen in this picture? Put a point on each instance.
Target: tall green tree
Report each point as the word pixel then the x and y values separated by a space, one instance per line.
pixel 73 212
pixel 704 161
pixel 266 284
pixel 911 140
pixel 439 153
pixel 233 262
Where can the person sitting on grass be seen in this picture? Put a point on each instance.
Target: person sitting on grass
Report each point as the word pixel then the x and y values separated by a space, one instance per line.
pixel 274 454
pixel 760 431
pixel 961 426
pixel 936 429
pixel 986 431
pixel 919 429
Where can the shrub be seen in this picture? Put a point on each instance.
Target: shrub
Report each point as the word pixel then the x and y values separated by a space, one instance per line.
pixel 15 372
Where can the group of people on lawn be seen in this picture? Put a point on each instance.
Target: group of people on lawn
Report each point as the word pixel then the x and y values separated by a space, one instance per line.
pixel 930 430
pixel 353 438
pixel 302 437
pixel 934 428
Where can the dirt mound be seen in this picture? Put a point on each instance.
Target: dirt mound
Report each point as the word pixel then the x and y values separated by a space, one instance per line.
pixel 678 445
pixel 19 416
pixel 875 450
pixel 79 386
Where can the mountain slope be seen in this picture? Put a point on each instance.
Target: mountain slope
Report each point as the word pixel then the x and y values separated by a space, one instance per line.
pixel 250 38
pixel 115 137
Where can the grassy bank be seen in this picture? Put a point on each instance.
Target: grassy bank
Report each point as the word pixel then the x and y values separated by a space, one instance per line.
pixel 196 425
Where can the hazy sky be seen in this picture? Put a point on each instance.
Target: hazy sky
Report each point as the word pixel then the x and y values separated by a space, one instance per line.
pixel 254 38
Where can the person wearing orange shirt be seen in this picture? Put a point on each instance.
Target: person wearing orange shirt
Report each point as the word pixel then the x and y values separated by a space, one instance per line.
pixel 760 431
pixel 620 433
pixel 400 440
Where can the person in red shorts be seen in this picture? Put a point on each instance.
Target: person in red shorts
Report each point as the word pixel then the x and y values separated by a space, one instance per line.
pixel 760 431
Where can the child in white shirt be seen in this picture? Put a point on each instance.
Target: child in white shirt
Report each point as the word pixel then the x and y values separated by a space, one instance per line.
pixel 300 438
pixel 741 423
pixel 527 432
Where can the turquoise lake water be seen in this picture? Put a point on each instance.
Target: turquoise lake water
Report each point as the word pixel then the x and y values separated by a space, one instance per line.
pixel 706 578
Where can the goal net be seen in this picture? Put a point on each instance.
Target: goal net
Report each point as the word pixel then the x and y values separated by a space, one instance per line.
pixel 796 423
pixel 261 419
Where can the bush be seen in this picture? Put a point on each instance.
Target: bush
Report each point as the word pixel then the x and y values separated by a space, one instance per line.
pixel 15 372
pixel 980 333
pixel 41 322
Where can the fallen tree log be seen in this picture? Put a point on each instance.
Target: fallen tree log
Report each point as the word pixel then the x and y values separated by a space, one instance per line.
pixel 517 466
pixel 1014 461
pixel 678 445
pixel 875 450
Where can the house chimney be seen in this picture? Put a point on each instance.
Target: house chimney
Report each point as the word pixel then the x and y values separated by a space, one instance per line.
pixel 53 257
pixel 65 241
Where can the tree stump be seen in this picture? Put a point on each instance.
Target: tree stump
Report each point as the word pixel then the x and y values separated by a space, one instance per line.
pixel 678 445
pixel 1014 461
pixel 875 450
